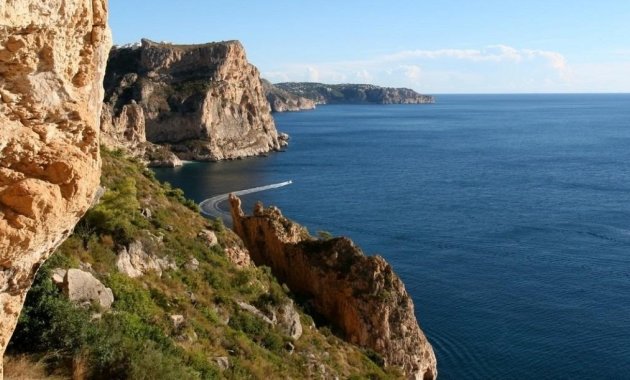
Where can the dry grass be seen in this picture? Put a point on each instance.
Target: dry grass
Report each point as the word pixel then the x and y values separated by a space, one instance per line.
pixel 24 367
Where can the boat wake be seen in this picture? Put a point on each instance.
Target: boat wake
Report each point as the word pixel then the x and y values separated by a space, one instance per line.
pixel 210 207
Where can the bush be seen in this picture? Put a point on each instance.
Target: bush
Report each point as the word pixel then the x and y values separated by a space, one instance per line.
pixel 49 322
pixel 117 213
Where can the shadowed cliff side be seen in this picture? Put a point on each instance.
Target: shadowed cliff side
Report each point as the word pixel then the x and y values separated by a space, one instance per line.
pixel 203 102
pixel 52 63
pixel 360 295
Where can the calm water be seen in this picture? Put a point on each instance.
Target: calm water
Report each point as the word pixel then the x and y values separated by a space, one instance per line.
pixel 508 218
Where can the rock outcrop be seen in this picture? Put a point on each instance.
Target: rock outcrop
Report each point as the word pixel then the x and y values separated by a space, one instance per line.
pixel 204 102
pixel 284 316
pixel 284 101
pixel 84 289
pixel 134 261
pixel 360 295
pixel 52 62
pixel 353 93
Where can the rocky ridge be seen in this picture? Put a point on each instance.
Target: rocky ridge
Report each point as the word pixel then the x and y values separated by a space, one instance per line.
pixel 202 102
pixel 353 93
pixel 360 295
pixel 282 101
pixel 52 64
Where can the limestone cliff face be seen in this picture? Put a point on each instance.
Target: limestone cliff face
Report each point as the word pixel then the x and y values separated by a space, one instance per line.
pixel 52 63
pixel 284 101
pixel 360 295
pixel 206 102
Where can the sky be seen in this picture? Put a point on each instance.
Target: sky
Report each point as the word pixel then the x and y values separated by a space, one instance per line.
pixel 439 46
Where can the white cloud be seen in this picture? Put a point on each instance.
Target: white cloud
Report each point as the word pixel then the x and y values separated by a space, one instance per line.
pixel 493 68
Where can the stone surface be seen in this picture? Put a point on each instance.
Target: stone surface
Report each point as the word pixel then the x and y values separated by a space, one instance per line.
pixel 204 102
pixel 52 62
pixel 83 288
pixel 223 362
pixel 238 255
pixel 177 320
pixel 58 276
pixel 353 93
pixel 134 261
pixel 192 264
pixel 283 101
pixel 360 295
pixel 289 320
pixel 208 237
pixel 254 311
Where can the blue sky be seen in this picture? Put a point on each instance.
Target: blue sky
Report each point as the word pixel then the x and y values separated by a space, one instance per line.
pixel 438 46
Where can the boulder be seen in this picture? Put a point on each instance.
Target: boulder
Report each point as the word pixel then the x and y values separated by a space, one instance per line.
pixel 208 237
pixel 134 261
pixel 177 320
pixel 83 288
pixel 223 362
pixel 58 275
pixel 288 320
pixel 192 264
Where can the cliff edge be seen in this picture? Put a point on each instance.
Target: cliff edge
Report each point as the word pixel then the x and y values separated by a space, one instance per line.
pixel 360 295
pixel 52 64
pixel 203 102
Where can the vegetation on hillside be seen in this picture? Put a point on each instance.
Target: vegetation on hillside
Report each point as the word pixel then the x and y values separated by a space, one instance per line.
pixel 136 339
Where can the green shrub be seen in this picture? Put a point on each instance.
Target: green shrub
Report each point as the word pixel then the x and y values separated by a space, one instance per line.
pixel 117 213
pixel 49 322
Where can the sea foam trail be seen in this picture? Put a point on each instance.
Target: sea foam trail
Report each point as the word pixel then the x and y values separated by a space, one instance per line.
pixel 210 207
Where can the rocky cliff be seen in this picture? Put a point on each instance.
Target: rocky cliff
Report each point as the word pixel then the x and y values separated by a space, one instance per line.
pixel 205 102
pixel 52 62
pixel 353 93
pixel 360 295
pixel 283 101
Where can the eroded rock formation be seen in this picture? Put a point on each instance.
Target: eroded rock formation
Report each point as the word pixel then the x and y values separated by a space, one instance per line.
pixel 360 295
pixel 205 102
pixel 52 62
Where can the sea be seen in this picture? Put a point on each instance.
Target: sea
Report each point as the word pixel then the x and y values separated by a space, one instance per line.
pixel 506 216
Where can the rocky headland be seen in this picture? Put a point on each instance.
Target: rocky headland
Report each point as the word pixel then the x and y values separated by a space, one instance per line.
pixel 52 64
pixel 320 93
pixel 201 102
pixel 360 295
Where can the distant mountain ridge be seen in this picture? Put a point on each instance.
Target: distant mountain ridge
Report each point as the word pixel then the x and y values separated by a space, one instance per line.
pixel 321 93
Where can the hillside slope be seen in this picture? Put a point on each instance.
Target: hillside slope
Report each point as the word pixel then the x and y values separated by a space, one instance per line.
pixel 185 304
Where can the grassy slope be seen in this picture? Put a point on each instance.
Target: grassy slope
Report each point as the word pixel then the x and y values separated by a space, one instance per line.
pixel 136 340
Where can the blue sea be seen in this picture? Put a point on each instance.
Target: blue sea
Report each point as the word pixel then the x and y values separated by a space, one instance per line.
pixel 507 217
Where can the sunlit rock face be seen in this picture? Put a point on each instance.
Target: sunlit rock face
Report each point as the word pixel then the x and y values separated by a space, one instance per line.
pixel 205 102
pixel 360 295
pixel 52 63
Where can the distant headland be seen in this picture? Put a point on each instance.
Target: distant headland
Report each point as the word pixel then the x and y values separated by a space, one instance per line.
pixel 294 96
